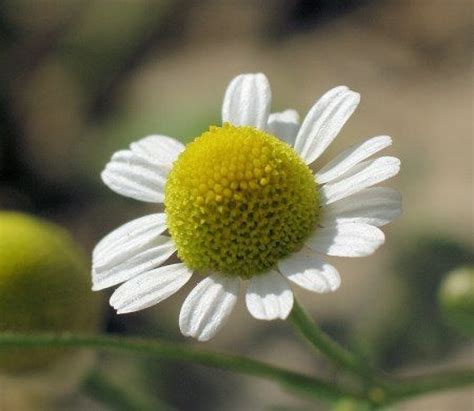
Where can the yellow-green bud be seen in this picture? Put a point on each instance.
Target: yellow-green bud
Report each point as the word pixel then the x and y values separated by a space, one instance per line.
pixel 456 297
pixel 44 286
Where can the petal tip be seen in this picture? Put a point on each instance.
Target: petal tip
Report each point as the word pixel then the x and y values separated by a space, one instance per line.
pixel 121 312
pixel 96 286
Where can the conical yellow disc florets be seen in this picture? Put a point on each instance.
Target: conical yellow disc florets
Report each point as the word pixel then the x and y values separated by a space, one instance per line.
pixel 238 200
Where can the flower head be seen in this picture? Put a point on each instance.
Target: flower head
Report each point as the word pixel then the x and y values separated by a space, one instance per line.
pixel 242 204
pixel 238 200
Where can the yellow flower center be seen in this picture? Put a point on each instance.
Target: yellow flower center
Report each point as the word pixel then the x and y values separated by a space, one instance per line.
pixel 238 200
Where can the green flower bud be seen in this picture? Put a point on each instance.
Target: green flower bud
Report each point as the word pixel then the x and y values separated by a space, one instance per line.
pixel 456 297
pixel 44 286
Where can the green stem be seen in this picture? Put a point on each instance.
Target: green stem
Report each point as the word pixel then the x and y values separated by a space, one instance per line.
pixel 413 386
pixel 393 391
pixel 380 389
pixel 322 342
pixel 310 386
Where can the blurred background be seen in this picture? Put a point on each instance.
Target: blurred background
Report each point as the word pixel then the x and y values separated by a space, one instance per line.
pixel 80 79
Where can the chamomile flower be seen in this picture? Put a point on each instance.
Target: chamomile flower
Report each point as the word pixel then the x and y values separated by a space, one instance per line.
pixel 243 207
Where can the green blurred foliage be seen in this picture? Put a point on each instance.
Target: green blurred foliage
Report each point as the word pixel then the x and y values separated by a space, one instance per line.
pixel 351 405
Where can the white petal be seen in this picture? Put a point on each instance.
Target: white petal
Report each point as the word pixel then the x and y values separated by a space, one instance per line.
pixel 128 240
pixel 350 157
pixel 247 101
pixel 309 271
pixel 162 149
pixel 149 288
pixel 141 172
pixel 284 125
pixel 375 206
pixel 269 297
pixel 346 240
pixel 158 251
pixel 208 306
pixel 363 175
pixel 324 121
pixel 136 177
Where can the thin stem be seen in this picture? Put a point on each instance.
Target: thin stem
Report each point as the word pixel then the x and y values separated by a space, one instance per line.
pixel 309 386
pixel 381 389
pixel 393 391
pixel 322 342
pixel 413 386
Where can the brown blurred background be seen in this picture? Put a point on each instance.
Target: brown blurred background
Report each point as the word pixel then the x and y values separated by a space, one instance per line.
pixel 80 79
